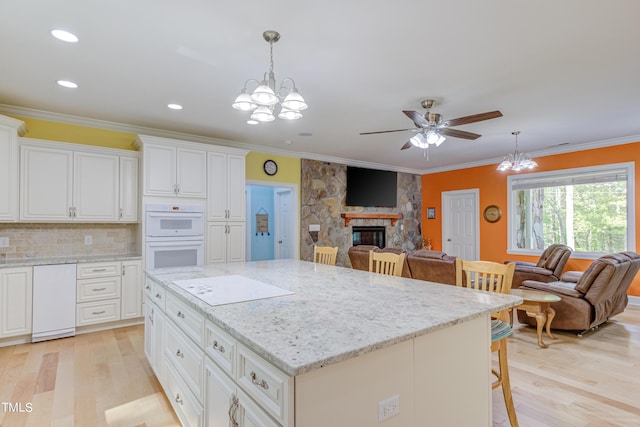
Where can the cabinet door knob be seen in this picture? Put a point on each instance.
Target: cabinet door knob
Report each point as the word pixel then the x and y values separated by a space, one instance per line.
pixel 180 354
pixel 180 314
pixel 178 399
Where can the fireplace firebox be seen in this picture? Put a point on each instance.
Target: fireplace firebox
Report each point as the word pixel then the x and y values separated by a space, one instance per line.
pixel 369 235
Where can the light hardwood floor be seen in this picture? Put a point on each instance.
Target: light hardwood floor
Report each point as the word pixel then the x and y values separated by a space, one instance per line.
pixel 96 379
pixel 588 381
pixel 103 379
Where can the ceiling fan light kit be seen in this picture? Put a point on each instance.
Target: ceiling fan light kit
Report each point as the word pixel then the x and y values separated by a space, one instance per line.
pixel 264 98
pixel 517 161
pixel 433 131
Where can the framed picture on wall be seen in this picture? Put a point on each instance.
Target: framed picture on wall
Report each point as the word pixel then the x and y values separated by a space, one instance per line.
pixel 431 213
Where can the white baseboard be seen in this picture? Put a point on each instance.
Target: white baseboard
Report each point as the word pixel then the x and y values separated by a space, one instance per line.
pixel 634 300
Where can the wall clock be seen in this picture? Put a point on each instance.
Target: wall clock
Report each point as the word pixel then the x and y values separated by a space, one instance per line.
pixel 270 167
pixel 492 213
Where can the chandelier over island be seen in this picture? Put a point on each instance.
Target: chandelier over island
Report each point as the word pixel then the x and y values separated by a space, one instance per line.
pixel 517 161
pixel 264 98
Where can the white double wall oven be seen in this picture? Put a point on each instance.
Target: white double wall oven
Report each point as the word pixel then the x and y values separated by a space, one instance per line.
pixel 174 235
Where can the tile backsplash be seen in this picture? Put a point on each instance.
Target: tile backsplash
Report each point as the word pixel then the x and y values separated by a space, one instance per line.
pixel 62 240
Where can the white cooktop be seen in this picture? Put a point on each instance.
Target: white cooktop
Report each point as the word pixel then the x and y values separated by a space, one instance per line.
pixel 221 290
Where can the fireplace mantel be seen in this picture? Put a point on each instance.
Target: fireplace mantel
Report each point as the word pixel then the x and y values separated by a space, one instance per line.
pixel 359 215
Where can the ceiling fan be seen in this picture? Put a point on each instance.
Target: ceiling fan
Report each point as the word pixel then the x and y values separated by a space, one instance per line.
pixel 432 130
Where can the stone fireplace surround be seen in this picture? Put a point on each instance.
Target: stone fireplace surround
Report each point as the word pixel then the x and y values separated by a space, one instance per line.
pixel 322 196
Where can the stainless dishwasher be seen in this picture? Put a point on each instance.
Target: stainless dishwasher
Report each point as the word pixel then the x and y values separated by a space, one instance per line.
pixel 54 301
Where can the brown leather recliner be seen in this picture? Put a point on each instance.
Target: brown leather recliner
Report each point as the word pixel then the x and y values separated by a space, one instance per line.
pixel 433 266
pixel 359 257
pixel 548 268
pixel 591 298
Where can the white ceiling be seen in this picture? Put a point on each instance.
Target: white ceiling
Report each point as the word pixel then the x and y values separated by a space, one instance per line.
pixel 564 73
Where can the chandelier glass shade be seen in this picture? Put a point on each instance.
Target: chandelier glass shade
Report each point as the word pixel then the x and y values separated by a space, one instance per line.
pixel 425 139
pixel 517 161
pixel 265 98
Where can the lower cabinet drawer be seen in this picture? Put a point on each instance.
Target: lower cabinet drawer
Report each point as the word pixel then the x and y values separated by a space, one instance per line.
pixel 221 347
pixel 186 357
pixel 98 289
pixel 186 317
pixel 267 385
pixel 88 313
pixel 187 407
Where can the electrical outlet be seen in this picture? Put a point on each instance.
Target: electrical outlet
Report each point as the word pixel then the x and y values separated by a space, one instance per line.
pixel 388 408
pixel 88 240
pixel 4 242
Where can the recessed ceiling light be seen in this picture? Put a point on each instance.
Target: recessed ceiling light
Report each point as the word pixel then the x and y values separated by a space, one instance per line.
pixel 252 122
pixel 67 83
pixel 65 36
pixel 175 106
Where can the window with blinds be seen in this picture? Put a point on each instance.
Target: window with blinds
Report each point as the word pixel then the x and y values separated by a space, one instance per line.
pixel 589 209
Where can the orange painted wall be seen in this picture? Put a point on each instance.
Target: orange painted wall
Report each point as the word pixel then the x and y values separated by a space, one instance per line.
pixel 492 186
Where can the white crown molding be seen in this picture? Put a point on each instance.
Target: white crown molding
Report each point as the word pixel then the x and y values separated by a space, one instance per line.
pixel 560 149
pixel 122 127
pixel 18 125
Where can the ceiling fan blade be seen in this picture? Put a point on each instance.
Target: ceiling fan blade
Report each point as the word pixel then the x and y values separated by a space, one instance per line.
pixel 472 119
pixel 458 133
pixel 386 131
pixel 407 144
pixel 417 118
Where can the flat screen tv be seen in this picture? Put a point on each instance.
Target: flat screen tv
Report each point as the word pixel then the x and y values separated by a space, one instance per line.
pixel 371 187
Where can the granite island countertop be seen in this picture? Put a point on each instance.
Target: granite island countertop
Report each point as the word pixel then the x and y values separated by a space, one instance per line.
pixel 334 313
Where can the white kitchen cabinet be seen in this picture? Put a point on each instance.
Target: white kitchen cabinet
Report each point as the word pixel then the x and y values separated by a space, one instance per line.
pixel 70 182
pixel 154 328
pixel 226 405
pixel 96 187
pixel 186 405
pixel 131 297
pixel 108 291
pixel 129 200
pixel 98 288
pixel 46 184
pixel 226 184
pixel 226 228
pixel 225 241
pixel 9 130
pixel 172 170
pixel 16 291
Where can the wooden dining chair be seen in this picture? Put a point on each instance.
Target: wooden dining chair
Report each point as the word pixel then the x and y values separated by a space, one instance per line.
pixel 386 263
pixel 325 255
pixel 493 277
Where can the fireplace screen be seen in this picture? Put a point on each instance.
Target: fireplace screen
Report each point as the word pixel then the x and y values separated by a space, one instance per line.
pixel 369 236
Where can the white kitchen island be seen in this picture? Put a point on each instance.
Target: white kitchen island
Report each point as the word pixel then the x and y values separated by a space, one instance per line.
pixel 346 348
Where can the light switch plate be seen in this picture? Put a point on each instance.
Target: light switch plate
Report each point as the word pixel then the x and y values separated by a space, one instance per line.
pixel 314 227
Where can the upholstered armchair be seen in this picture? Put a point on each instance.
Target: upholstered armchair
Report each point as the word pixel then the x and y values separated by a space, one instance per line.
pixel 591 298
pixel 548 268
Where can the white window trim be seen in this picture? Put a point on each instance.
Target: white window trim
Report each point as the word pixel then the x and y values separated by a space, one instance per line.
pixel 631 212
